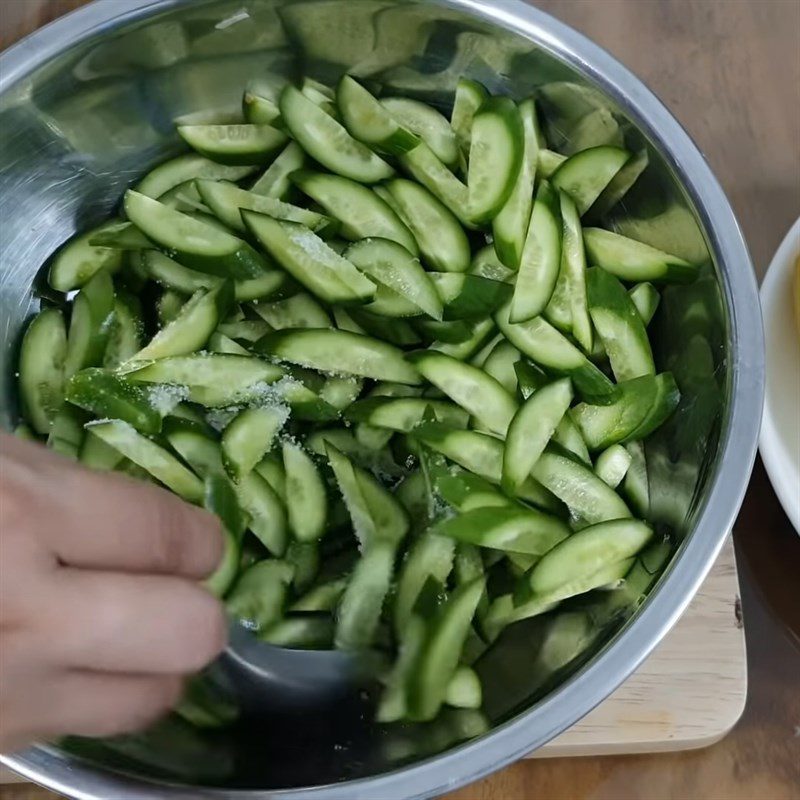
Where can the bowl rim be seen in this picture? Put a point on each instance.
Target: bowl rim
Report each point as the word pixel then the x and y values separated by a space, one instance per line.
pixel 613 664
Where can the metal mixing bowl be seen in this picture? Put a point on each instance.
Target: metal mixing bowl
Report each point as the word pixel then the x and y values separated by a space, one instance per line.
pixel 87 104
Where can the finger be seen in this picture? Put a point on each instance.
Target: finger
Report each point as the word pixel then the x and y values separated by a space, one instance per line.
pixel 115 622
pixel 99 704
pixel 105 521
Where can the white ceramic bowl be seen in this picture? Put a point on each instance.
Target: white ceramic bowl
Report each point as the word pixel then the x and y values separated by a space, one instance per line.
pixel 780 432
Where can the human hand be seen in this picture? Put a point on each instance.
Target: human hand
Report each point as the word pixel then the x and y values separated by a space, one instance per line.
pixel 101 613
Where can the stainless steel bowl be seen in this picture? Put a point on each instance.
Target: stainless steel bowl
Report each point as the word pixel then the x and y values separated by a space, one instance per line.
pixel 87 104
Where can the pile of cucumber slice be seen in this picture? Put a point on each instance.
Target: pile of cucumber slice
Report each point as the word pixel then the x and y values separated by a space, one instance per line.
pixel 380 344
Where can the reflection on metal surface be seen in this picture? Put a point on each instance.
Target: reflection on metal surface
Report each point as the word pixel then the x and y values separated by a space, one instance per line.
pixel 80 128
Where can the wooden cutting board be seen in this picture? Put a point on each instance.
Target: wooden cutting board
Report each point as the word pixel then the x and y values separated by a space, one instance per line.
pixel 689 693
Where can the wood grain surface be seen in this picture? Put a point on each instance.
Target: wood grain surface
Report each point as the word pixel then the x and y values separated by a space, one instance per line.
pixel 730 72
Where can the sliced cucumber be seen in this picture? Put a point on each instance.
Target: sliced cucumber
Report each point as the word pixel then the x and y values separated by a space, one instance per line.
pixel 328 142
pixel 586 174
pixel 259 110
pixel 196 446
pixel 193 325
pixel 636 485
pixel 441 239
pixel 612 465
pixel 469 296
pixel 309 260
pixel 471 388
pixel 482 330
pixel 646 298
pixel 361 211
pixel 630 260
pixel 510 226
pixel 464 689
pixel 495 157
pixel 275 181
pixel 404 413
pixel 192 242
pixel 470 96
pixel 531 430
pixel 306 498
pixel 185 168
pixel 120 236
pixel 548 162
pixel 428 124
pixel 66 433
pixel 301 632
pixel 541 257
pixel 340 352
pixel 486 265
pixel 667 399
pixel 428 170
pixel 90 324
pixel 392 266
pixel 619 326
pixel 369 121
pixel 509 528
pixel 618 186
pixel 568 435
pixel 158 462
pixel 96 454
pixel 77 261
pixel 127 328
pixel 271 470
pixel 244 330
pixel 586 496
pixel 234 144
pixel 226 200
pixel 500 364
pixel 41 369
pixel 259 597
pixel 298 311
pixel 573 267
pixel 323 597
pixel 249 436
pixel 266 511
pixel 393 704
pixel 168 306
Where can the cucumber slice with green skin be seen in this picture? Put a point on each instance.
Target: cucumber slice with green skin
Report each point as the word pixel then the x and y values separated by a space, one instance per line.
pixel 328 142
pixel 618 186
pixel 340 352
pixel 309 260
pixel 619 326
pixel 193 243
pixel 341 393
pixel 541 257
pixel 666 401
pixel 275 181
pixel 646 298
pixel 266 511
pixel 495 157
pixel 510 226
pixel 631 260
pixel 548 162
pixel 471 388
pixel 481 332
pixel 223 577
pixel 470 96
pixel 430 557
pixel 324 597
pixel 226 200
pixel 500 365
pixel 121 236
pixel 168 306
pixel 529 378
pixel 531 430
pixel 360 608
pixel 393 307
pixel 107 396
pixel 486 264
pixel 375 438
pixel 125 336
pixel 361 211
pixel 90 324
pixel 542 343
pixel 184 197
pixel 298 311
pixel 249 436
pixel 450 332
pixel 612 465
pixel 220 499
pixel 587 552
pixel 245 330
pixel 507 528
pixel 66 433
pixel 442 650
pixel 260 110
pixel 586 174
pixel 586 496
pixel 469 296
pixel 603 426
pixel 304 557
pixel 380 461
pixel 271 470
pixel 636 485
pixel 192 327
pixel 154 459
pixel 77 261
pixel 428 124
pixel 393 705
pixel 96 454
pixel 41 369
pixel 440 237
pixel 395 331
pixel 369 121
pixel 195 446
pixel 234 144
pixel 465 491
pixel 259 597
pixel 464 689
pixel 213 379
pixel 185 168
pixel 306 498
pixel 404 413
pixel 375 512
pixel 568 435
pixel 426 168
pixel 391 265
pixel 306 632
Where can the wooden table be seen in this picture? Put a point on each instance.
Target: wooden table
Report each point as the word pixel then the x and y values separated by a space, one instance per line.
pixel 730 72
